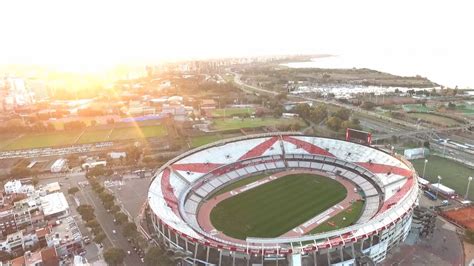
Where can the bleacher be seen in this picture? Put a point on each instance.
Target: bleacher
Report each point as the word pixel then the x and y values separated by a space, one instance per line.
pixel 204 171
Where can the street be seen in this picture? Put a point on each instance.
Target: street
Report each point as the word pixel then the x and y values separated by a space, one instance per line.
pixel 87 196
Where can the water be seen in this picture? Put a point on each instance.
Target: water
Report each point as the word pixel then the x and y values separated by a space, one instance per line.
pixel 445 70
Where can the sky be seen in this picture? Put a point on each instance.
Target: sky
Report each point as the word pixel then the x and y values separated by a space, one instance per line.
pixel 94 34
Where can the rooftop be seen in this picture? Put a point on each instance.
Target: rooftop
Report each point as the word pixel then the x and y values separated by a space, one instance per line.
pixel 65 231
pixel 54 203
pixel 51 187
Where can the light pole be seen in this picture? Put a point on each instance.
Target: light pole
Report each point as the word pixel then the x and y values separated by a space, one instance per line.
pixel 424 168
pixel 437 190
pixel 469 179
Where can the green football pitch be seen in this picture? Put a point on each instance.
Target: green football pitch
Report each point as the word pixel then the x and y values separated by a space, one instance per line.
pixel 62 138
pixel 275 208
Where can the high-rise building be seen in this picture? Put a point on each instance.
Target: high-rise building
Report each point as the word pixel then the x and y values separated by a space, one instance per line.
pixel 14 93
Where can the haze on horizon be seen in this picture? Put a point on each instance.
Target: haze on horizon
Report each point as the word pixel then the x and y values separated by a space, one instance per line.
pixel 91 35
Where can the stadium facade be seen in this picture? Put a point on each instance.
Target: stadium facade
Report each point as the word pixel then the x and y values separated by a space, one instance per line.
pixel 388 182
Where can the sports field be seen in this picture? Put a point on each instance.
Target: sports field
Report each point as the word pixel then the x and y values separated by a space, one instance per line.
pixel 454 174
pixel 32 141
pixel 203 140
pixel 417 108
pixel 94 136
pixel 436 119
pixel 137 132
pixel 63 138
pixel 229 112
pixel 466 109
pixel 230 124
pixel 275 208
pixel 351 214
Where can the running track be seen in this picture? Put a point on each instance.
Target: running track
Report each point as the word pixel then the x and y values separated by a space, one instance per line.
pixel 204 212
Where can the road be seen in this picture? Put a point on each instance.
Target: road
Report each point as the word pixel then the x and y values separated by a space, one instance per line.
pixel 87 196
pixel 383 124
pixel 106 221
pixel 93 252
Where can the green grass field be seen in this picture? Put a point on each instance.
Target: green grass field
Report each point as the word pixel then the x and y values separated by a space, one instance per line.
pixel 230 124
pixel 277 207
pixel 432 118
pixel 454 174
pixel 43 140
pixel 352 214
pixel 6 139
pixel 466 109
pixel 229 112
pixel 31 141
pixel 94 136
pixel 203 140
pixel 417 108
pixel 137 132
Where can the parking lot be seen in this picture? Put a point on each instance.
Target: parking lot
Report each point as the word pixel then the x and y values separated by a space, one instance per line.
pixel 131 195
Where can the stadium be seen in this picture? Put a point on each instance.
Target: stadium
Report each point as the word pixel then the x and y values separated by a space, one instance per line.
pixel 283 199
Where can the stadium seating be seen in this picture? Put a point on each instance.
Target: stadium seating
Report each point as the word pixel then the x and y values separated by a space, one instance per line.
pixel 201 172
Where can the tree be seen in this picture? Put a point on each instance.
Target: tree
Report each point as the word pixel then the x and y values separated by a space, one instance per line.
pixel 349 124
pixel 156 256
pixel 35 181
pixel 108 204
pixel 334 123
pixel 98 171
pixel 281 96
pixel 130 230
pixel 278 110
pixel 92 223
pixel 99 238
pixel 343 114
pixel 367 105
pixel 133 154
pixel 451 105
pixel 319 113
pixel 426 144
pixel 97 231
pixel 98 189
pixel 303 110
pixel 114 256
pixel 114 209
pixel 121 217
pixel 86 212
pixel 105 196
pixel 20 171
pixel 73 190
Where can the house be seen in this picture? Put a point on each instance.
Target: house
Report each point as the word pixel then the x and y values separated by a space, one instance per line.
pixel 44 257
pixel 65 237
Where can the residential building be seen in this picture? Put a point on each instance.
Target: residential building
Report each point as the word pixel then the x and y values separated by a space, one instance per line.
pixel 54 205
pixel 15 186
pixel 66 237
pixel 44 257
pixel 7 221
